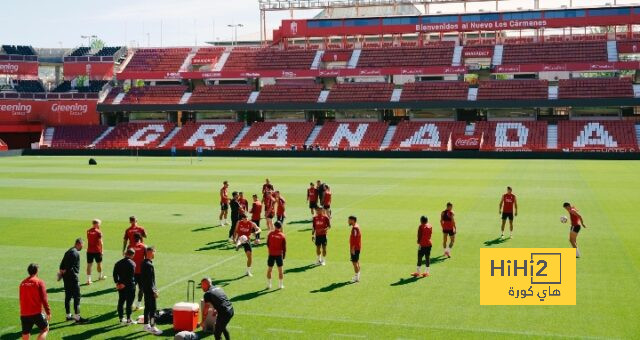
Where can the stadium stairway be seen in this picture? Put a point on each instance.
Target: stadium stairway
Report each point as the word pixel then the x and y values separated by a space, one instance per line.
pixel 223 60
pixel 169 137
pixel 187 61
pixel 552 137
pixel 314 134
pixel 48 136
pixel 638 134
pixel 119 98
pixel 388 137
pixel 317 60
pixel 612 51
pixel 457 56
pixel 322 98
pixel 396 95
pixel 353 61
pixel 497 55
pixel 636 90
pixel 102 136
pixel 185 98
pixel 239 137
pixel 553 92
pixel 253 97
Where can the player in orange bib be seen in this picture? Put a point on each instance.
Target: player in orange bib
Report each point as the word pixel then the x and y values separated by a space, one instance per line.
pixel 242 238
pixel 508 207
pixel 576 223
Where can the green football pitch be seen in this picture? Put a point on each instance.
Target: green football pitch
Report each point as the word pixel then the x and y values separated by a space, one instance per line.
pixel 46 202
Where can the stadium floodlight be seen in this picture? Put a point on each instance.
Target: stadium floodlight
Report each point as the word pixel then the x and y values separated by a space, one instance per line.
pixel 234 28
pixel 89 37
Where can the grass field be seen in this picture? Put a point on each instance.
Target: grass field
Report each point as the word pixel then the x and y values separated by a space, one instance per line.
pixel 47 202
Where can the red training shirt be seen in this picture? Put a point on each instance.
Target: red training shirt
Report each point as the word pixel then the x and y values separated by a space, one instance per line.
pixel 33 297
pixel 281 206
pixel 424 235
pixel 269 201
pixel 244 203
pixel 327 198
pixel 256 209
pixel 94 238
pixel 140 249
pixel 224 195
pixel 508 200
pixel 446 220
pixel 575 219
pixel 355 239
pixel 320 224
pixel 277 243
pixel 312 195
pixel 131 231
pixel 244 227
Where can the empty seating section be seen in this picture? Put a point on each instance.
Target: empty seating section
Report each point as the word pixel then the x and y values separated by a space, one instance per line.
pixel 220 94
pixel 157 60
pixel 597 135
pixel 595 88
pixel 360 92
pixel 268 59
pixel 290 93
pixel 434 90
pixel 419 136
pixel 212 135
pixel 75 137
pixel 80 51
pixel 136 135
pixel 169 94
pixel 29 86
pixel 207 55
pixel 513 89
pixel 515 136
pixel 18 50
pixel 276 135
pixel 552 52
pixel 107 51
pixel 351 135
pixel 438 55
pixel 94 87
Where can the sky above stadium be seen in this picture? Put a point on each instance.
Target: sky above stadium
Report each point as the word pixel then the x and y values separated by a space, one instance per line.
pixel 61 23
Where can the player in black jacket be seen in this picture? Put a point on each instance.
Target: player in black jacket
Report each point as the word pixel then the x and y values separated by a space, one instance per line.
pixel 148 283
pixel 123 276
pixel 69 269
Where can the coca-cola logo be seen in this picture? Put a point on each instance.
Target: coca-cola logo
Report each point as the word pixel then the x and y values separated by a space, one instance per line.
pixel 10 68
pixel 554 67
pixel 329 73
pixel 18 109
pixel 467 142
pixel 370 72
pixel 412 71
pixel 250 74
pixel 455 70
pixel 74 109
pixel 509 69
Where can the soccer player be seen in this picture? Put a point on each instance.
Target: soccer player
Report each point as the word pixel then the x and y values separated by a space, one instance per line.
pixel 321 225
pixel 219 301
pixel 448 224
pixel 277 245
pixel 236 209
pixel 33 299
pixel 123 277
pixel 424 246
pixel 576 223
pixel 256 211
pixel 134 228
pixel 94 250
pixel 224 202
pixel 140 250
pixel 508 207
pixel 269 209
pixel 148 279
pixel 243 201
pixel 267 187
pixel 355 244
pixel 245 228
pixel 312 198
pixel 68 272
pixel 326 201
pixel 280 216
pixel 320 188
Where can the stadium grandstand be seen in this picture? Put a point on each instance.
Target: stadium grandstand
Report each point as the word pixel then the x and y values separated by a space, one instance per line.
pixel 383 78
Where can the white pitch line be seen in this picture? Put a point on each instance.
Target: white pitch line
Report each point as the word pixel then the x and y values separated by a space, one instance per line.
pixel 280 330
pixel 5 330
pixel 200 272
pixel 348 335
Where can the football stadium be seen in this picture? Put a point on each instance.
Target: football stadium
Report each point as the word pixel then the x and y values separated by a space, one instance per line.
pixel 269 169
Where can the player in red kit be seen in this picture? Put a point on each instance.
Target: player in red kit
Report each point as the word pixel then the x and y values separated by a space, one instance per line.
pixel 312 198
pixel 256 211
pixel 508 207
pixel 281 206
pixel 576 223
pixel 326 200
pixel 140 250
pixel 129 234
pixel 269 209
pixel 424 246
pixel 277 245
pixel 320 226
pixel 224 203
pixel 94 250
pixel 33 299
pixel 355 245
pixel 242 237
pixel 448 224
pixel 267 187
pixel 243 201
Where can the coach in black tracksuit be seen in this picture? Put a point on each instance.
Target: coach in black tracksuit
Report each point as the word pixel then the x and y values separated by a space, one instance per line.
pixel 69 269
pixel 235 213
pixel 123 276
pixel 148 284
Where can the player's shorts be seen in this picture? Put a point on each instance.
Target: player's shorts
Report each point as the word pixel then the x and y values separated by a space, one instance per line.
pixel 450 232
pixel 280 218
pixel 326 206
pixel 575 228
pixel 28 322
pixel 506 216
pixel 94 257
pixel 274 260
pixel 355 257
pixel 246 246
pixel 321 240
pixel 224 206
pixel 257 222
pixel 269 215
pixel 313 205
pixel 424 252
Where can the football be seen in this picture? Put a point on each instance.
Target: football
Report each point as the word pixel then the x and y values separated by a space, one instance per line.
pixel 563 219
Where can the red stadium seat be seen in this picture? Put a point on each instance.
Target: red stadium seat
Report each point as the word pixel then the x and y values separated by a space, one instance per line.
pixel 440 54
pixel 513 89
pixel 221 94
pixel 513 136
pixel 136 135
pixel 597 136
pixel 595 88
pixel 434 90
pixel 290 93
pixel 157 60
pixel 76 136
pixel 210 135
pixel 360 92
pixel 166 94
pixel 352 135
pixel 424 136
pixel 554 52
pixel 276 135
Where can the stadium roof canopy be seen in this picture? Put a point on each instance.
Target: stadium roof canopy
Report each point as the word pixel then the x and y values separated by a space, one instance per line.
pixel 373 11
